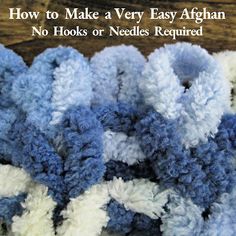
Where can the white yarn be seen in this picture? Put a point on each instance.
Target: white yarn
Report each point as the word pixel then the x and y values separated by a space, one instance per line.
pixel 227 59
pixel 120 147
pixel 37 216
pixel 139 195
pixel 13 181
pixel 86 215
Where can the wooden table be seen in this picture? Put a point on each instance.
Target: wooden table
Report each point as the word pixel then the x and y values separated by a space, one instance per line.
pixel 16 34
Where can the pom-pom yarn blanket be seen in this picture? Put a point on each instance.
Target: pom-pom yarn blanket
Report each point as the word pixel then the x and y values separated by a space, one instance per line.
pixel 118 144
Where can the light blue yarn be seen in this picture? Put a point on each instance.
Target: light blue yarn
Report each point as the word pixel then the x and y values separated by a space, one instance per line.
pixel 222 221
pixel 11 66
pixel 183 82
pixel 53 83
pixel 181 218
pixel 117 71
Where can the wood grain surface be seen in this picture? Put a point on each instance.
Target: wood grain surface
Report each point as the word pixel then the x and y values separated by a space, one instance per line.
pixel 16 34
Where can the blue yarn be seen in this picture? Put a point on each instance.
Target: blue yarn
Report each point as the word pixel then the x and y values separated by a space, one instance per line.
pixel 120 218
pixel 184 82
pixel 39 158
pixel 118 117
pixel 80 145
pixel 126 221
pixel 126 172
pixel 222 218
pixel 11 206
pixel 201 173
pixel 116 71
pixel 82 135
pixel 226 136
pixel 8 117
pixel 121 117
pixel 11 66
pixel 145 226
pixel 44 91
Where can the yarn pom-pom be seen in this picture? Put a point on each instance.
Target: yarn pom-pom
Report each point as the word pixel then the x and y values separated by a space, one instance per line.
pixel 117 71
pixel 182 81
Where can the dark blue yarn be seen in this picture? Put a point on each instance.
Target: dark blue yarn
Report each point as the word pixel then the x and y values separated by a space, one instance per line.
pixel 118 117
pixel 126 172
pixel 82 167
pixel 124 221
pixel 120 218
pixel 11 206
pixel 201 173
pixel 121 117
pixel 226 136
pixel 82 134
pixel 39 158
pixel 145 226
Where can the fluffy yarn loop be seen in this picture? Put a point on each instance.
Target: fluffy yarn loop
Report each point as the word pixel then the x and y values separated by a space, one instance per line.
pixel 82 141
pixel 117 71
pixel 85 215
pixel 184 82
pixel 39 158
pixel 117 144
pixel 57 79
